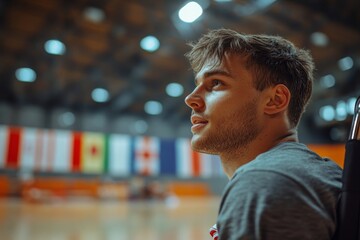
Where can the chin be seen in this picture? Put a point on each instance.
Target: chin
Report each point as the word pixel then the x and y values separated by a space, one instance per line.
pixel 199 144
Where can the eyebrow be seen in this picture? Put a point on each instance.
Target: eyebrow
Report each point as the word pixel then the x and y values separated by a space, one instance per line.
pixel 214 72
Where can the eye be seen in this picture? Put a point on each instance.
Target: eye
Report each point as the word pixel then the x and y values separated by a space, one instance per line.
pixel 215 83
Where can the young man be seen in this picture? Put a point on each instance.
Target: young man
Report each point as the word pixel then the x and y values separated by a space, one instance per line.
pixel 250 93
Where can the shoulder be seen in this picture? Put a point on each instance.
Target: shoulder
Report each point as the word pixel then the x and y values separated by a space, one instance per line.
pixel 260 204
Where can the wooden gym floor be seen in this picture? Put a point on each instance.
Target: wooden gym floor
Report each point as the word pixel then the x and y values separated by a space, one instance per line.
pixel 88 219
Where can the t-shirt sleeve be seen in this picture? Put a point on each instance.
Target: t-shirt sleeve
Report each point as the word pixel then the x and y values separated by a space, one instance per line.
pixel 267 205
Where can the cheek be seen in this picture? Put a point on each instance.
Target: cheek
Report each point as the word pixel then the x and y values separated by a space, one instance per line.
pixel 218 100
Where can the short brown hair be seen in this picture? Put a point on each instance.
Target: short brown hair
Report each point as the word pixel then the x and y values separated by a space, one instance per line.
pixel 272 59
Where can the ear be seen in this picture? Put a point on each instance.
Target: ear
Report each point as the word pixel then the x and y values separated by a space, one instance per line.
pixel 278 99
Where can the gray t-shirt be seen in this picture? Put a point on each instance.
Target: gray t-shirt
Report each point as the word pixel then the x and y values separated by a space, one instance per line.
pixel 288 192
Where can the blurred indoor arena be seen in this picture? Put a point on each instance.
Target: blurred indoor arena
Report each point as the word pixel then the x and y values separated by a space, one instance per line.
pixel 94 131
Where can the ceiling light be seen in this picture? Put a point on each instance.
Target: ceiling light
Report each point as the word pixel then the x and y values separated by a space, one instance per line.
pixel 55 47
pixel 66 119
pixel 174 89
pixel 150 43
pixel 25 74
pixel 327 81
pixel 319 39
pixel 190 12
pixel 100 95
pixel 153 107
pixel 341 111
pixel 346 63
pixel 327 113
pixel 94 14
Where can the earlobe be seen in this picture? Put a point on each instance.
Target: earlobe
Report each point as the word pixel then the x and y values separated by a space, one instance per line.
pixel 278 99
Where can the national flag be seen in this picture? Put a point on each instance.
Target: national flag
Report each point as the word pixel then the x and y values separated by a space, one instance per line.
pixel 44 143
pixel 12 152
pixel 167 157
pixel 187 160
pixel 93 152
pixel 76 151
pixel 146 156
pixel 29 148
pixel 194 164
pixel 61 155
pixel 3 145
pixel 45 150
pixel 211 165
pixel 119 155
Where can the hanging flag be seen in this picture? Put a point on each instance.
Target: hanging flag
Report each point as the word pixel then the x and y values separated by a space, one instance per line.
pixel 187 161
pixel 167 157
pixel 194 164
pixel 29 148
pixel 3 145
pixel 146 156
pixel 12 154
pixel 61 155
pixel 44 148
pixel 93 153
pixel 211 165
pixel 119 155
pixel 76 151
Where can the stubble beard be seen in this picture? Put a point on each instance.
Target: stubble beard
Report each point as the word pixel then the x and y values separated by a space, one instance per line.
pixel 229 133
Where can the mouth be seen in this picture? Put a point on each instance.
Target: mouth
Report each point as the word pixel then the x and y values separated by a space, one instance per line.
pixel 198 123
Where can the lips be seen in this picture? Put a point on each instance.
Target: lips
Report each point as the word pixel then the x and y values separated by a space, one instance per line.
pixel 198 123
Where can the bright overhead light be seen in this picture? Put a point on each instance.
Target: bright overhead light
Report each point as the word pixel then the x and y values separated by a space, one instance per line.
pixel 327 81
pixel 94 14
pixel 327 113
pixel 174 89
pixel 190 12
pixel 150 43
pixel 100 95
pixel 66 119
pixel 55 47
pixel 25 74
pixel 319 39
pixel 346 63
pixel 153 107
pixel 341 111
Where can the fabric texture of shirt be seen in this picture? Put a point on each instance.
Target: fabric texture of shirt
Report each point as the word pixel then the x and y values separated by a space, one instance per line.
pixel 286 193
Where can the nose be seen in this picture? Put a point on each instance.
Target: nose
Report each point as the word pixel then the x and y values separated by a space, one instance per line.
pixel 195 101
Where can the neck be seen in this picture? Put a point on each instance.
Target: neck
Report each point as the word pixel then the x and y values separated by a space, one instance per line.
pixel 232 160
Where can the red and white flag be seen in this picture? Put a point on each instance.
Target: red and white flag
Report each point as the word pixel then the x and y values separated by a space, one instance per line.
pixel 146 155
pixel 11 154
pixel 194 164
pixel 29 148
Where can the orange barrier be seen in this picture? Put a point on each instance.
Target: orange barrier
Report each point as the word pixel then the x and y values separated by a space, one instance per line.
pixel 335 152
pixel 84 187
pixel 189 189
pixel 49 188
pixel 4 186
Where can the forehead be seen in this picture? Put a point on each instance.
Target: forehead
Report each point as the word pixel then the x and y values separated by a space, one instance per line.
pixel 230 64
